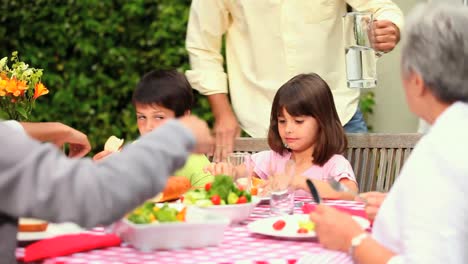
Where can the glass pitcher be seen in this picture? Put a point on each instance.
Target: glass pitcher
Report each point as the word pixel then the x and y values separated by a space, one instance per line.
pixel 361 59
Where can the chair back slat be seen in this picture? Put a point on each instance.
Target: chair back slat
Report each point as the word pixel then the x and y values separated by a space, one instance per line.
pixel 366 159
pixel 382 169
pixel 377 158
pixel 357 160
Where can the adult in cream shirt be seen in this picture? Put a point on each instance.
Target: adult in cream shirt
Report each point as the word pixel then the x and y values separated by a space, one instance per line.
pixel 424 217
pixel 267 43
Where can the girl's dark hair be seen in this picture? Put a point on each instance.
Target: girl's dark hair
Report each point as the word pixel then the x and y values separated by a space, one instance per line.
pixel 167 88
pixel 309 95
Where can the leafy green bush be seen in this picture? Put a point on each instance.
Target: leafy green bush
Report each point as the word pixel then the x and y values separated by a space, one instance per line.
pixel 93 52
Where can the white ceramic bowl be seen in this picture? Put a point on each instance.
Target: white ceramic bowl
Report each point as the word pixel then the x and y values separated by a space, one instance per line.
pixel 235 212
pixel 189 234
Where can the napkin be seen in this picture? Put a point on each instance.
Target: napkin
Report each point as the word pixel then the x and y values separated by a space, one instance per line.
pixel 68 244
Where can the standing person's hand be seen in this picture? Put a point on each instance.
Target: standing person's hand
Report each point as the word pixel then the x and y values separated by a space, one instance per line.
pixel 374 201
pixel 199 128
pixel 386 35
pixel 219 168
pixel 226 129
pixel 334 229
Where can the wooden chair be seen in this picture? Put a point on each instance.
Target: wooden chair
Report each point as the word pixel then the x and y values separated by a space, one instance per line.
pixel 376 158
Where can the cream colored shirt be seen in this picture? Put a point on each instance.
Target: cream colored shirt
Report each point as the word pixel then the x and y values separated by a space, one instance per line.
pixel 267 43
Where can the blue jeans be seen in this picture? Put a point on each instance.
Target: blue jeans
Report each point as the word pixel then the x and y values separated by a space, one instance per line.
pixel 356 124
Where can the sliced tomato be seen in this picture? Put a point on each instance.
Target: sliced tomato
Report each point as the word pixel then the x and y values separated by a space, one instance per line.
pixel 278 225
pixel 302 231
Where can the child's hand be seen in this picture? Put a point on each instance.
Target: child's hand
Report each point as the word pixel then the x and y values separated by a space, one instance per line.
pixel 374 201
pixel 101 155
pixel 299 183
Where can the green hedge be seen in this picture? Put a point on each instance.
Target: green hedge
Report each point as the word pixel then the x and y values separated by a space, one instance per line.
pixel 93 52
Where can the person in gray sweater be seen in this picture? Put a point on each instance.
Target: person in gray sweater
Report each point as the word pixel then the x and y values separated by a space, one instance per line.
pixel 37 180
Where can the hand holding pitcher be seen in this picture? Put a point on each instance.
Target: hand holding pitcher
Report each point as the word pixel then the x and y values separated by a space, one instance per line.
pixel 365 40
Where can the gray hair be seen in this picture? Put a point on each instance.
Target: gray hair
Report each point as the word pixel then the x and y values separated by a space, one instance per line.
pixel 435 46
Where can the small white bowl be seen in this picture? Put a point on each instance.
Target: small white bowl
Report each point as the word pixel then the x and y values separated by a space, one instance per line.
pixel 175 235
pixel 235 212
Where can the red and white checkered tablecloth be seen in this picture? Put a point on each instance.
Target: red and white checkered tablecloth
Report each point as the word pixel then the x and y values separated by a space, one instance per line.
pixel 238 246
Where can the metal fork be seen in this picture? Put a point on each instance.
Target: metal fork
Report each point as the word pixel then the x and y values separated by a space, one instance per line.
pixel 339 187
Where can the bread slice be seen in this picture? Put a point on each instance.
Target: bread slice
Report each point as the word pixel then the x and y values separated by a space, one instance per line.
pixel 32 225
pixel 113 144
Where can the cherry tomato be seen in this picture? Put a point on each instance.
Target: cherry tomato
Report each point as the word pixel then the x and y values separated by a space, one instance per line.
pixel 215 199
pixel 278 225
pixel 208 186
pixel 242 200
pixel 302 231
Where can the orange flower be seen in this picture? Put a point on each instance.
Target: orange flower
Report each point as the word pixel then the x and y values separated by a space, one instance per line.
pixel 16 87
pixel 40 90
pixel 21 86
pixel 3 84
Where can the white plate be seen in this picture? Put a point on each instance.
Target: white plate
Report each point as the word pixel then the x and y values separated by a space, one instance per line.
pixel 52 230
pixel 265 226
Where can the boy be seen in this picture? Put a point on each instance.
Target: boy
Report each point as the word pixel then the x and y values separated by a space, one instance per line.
pixel 161 95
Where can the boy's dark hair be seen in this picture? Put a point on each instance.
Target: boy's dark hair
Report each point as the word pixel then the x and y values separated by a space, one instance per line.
pixel 167 88
pixel 309 95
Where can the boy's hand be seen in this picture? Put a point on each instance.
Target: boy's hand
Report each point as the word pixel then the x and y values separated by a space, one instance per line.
pixel 204 140
pixel 101 155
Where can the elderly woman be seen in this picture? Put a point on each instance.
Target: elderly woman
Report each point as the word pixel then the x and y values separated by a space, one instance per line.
pixel 424 218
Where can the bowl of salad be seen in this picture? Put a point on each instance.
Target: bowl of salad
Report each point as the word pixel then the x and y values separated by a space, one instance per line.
pixel 223 197
pixel 170 226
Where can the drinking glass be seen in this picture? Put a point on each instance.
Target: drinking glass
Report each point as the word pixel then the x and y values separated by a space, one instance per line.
pixel 361 59
pixel 241 168
pixel 280 184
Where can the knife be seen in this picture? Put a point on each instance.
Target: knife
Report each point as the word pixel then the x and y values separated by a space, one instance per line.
pixel 313 191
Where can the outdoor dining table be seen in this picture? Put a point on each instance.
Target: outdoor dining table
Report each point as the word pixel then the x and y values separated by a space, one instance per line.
pixel 238 246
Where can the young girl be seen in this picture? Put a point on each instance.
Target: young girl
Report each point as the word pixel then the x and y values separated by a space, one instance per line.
pixel 305 128
pixel 159 96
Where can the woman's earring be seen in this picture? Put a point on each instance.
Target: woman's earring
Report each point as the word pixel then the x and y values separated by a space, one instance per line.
pixel 286 145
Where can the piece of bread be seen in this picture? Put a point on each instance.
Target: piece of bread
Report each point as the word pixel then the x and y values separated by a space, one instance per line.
pixel 113 144
pixel 32 225
pixel 176 186
pixel 257 182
